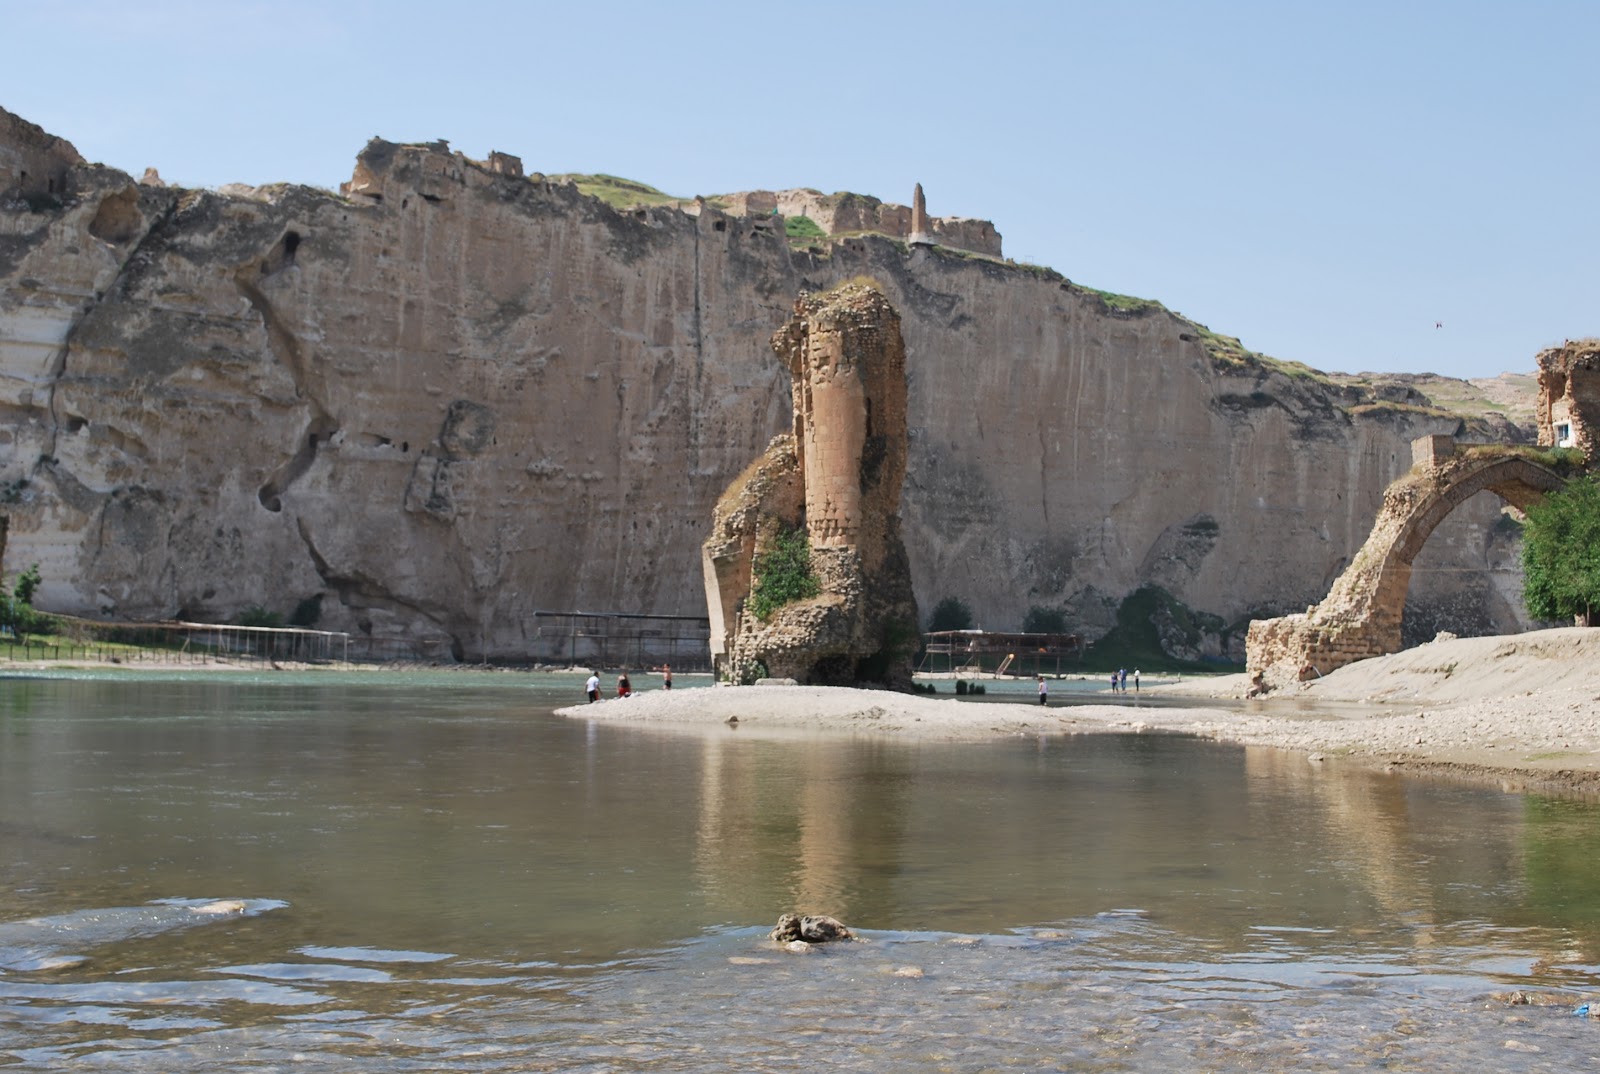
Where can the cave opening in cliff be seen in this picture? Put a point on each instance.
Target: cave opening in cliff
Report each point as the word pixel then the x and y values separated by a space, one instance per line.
pixel 282 254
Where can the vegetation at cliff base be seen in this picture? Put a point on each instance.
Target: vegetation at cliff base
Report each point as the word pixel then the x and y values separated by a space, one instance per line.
pixel 17 614
pixel 782 573
pixel 1043 620
pixel 1136 640
pixel 1561 554
pixel 951 613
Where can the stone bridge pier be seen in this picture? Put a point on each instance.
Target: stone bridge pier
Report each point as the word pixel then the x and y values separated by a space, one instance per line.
pixel 1361 615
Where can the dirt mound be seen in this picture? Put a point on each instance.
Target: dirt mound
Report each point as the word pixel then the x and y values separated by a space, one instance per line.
pixel 1472 669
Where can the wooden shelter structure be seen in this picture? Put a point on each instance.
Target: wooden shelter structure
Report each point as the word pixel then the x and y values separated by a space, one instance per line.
pixel 975 652
pixel 621 639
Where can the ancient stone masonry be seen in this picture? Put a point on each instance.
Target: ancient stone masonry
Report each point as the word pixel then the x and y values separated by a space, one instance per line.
pixel 845 213
pixel 838 474
pixel 1361 615
pixel 33 163
pixel 1569 397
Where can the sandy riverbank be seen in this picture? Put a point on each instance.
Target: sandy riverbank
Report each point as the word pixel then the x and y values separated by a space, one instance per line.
pixel 1521 711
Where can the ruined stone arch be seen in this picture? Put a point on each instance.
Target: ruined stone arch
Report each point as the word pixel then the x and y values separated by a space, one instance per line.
pixel 1361 615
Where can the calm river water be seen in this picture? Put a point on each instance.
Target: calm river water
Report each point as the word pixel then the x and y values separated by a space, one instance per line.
pixel 438 874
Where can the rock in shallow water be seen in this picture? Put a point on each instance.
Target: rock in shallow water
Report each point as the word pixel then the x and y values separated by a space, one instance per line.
pixel 812 928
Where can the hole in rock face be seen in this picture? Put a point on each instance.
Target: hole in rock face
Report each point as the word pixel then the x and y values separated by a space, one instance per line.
pixel 720 225
pixel 282 254
pixel 269 498
pixel 117 220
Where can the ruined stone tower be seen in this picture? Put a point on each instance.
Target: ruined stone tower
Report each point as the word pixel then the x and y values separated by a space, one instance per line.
pixel 921 235
pixel 1569 397
pixel 837 475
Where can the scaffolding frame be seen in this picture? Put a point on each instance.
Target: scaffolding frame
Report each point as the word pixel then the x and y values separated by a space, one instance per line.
pixel 1013 652
pixel 604 640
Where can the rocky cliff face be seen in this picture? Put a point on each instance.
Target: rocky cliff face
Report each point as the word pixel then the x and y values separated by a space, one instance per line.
pixel 454 396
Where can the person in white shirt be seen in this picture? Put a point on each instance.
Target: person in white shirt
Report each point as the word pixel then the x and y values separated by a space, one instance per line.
pixel 592 688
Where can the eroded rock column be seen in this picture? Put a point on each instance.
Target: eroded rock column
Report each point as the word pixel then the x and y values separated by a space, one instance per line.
pixel 838 477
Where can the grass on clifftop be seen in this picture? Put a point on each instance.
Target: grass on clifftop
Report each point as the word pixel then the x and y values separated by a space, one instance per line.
pixel 617 192
pixel 803 227
pixel 1382 407
pixel 1122 303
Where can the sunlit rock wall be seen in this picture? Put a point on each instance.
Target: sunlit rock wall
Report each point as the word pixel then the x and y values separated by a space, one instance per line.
pixel 452 397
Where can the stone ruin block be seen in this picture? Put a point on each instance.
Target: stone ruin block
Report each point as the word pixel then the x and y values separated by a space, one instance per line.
pixel 838 475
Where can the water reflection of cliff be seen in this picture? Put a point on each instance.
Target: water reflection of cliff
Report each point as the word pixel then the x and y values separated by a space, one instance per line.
pixel 451 819
pixel 1212 841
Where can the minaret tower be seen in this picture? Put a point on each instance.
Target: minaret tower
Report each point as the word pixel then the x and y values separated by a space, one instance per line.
pixel 920 235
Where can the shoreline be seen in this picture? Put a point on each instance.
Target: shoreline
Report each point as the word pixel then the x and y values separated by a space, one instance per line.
pixel 1517 712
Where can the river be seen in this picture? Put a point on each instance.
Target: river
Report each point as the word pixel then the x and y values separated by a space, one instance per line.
pixel 432 871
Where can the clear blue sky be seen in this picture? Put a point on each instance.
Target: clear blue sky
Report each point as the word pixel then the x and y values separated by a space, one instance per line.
pixel 1325 181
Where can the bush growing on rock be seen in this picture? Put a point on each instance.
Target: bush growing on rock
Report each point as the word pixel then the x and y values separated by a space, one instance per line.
pixel 783 574
pixel 16 608
pixel 951 613
pixel 1042 620
pixel 1561 554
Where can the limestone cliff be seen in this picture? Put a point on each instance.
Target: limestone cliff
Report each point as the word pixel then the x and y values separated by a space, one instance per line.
pixel 456 395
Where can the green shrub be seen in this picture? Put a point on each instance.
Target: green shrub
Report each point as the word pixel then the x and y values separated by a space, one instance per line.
pixel 750 671
pixel 256 615
pixel 16 608
pixel 782 574
pixel 27 584
pixel 803 227
pixel 951 613
pixel 1042 620
pixel 1561 553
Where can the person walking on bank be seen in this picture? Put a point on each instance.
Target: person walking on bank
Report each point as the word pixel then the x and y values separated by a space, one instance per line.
pixel 1044 691
pixel 666 676
pixel 592 688
pixel 1135 680
pixel 624 687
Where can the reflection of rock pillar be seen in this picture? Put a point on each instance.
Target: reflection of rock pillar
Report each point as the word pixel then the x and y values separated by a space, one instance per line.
pixel 833 438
